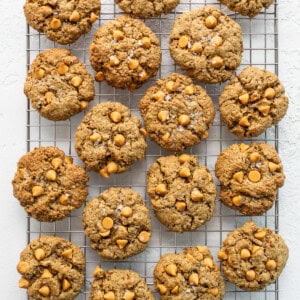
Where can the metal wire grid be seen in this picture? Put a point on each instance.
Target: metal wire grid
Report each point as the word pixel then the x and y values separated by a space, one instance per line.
pixel 260 49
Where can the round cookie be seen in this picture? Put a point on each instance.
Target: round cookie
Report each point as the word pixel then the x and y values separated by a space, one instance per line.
pixel 146 8
pixel 125 53
pixel 252 102
pixel 182 192
pixel 250 176
pixel 118 223
pixel 176 112
pixel 253 257
pixel 189 275
pixel 119 284
pixel 51 268
pixel 109 140
pixel 62 21
pixel 247 8
pixel 58 85
pixel 48 185
pixel 207 43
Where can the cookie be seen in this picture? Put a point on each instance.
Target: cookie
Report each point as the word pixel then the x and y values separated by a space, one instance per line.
pixel 253 257
pixel 252 102
pixel 189 275
pixel 207 43
pixel 48 185
pixel 118 223
pixel 119 284
pixel 109 139
pixel 62 21
pixel 51 268
pixel 250 176
pixel 58 84
pixel 182 192
pixel 145 9
pixel 125 53
pixel 247 8
pixel 176 112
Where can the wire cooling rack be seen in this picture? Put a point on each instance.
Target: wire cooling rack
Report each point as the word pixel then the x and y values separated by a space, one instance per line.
pixel 260 49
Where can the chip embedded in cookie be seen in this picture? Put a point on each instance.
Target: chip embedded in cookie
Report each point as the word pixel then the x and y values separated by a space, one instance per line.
pixel 177 113
pixel 51 268
pixel 250 176
pixel 125 53
pixel 118 223
pixel 109 139
pixel 62 21
pixel 58 85
pixel 253 257
pixel 48 185
pixel 207 44
pixel 252 102
pixel 182 192
pixel 189 275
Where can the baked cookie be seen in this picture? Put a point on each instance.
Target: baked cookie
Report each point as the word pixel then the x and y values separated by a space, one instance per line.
pixel 176 112
pixel 189 275
pixel 118 223
pixel 62 21
pixel 125 53
pixel 252 102
pixel 118 285
pixel 48 185
pixel 247 8
pixel 58 85
pixel 51 268
pixel 206 43
pixel 250 176
pixel 253 257
pixel 109 139
pixel 146 8
pixel 182 192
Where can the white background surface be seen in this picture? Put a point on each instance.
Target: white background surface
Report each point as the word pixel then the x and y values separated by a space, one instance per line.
pixel 13 144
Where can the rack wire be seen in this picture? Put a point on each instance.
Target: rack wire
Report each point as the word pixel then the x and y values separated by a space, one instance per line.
pixel 260 49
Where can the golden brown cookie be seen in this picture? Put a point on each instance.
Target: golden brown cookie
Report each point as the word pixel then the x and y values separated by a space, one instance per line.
pixel 125 53
pixel 62 21
pixel 51 268
pixel 207 43
pixel 250 176
pixel 253 257
pixel 58 84
pixel 48 185
pixel 177 113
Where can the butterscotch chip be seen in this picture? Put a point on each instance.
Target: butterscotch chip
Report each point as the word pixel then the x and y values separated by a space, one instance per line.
pixel 244 98
pixel 249 268
pixel 95 137
pixel 93 17
pixel 180 205
pixel 273 167
pixel 127 220
pixel 40 73
pixel 129 62
pixel 222 254
pixel 105 233
pixel 194 279
pixel 163 115
pixel 217 41
pixel 171 269
pixel 129 295
pixel 260 234
pixel 112 167
pixel 170 86
pixel 118 34
pixel 162 289
pixel 68 253
pixel 211 22
pixel 99 76
pixel 244 122
pixel 196 47
pixel 264 109
pixel 45 203
pixel 22 267
pixel 161 189
pixel 184 120
pixel 247 184
pixel 64 87
pixel 109 296
pixel 41 274
pixel 184 172
pixel 217 62
pixel 183 41
pixel 69 23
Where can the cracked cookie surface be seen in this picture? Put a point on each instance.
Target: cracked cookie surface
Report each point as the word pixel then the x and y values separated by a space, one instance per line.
pixel 62 21
pixel 207 44
pixel 58 84
pixel 176 112
pixel 48 185
pixel 252 102
pixel 250 176
pixel 125 53
pixel 182 192
pixel 118 223
pixel 51 268
pixel 253 257
pixel 191 274
pixel 109 139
